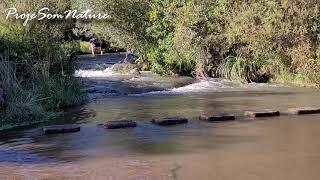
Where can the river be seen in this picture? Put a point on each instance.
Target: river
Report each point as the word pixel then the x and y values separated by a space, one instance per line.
pixel 285 147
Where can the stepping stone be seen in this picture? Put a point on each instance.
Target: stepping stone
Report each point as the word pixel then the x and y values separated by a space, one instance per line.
pixel 169 121
pixel 120 124
pixel 218 117
pixel 56 129
pixel 304 110
pixel 266 113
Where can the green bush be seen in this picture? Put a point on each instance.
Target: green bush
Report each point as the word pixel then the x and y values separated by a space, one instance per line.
pixel 195 38
pixel 85 47
pixel 40 57
pixel 242 69
pixel 23 106
pixel 58 93
pixel 286 34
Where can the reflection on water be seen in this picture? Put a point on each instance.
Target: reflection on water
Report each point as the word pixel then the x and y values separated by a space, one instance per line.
pixel 285 147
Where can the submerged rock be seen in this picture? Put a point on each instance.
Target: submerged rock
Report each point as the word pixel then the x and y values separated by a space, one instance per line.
pixel 304 110
pixel 169 121
pixel 66 128
pixel 135 71
pixel 266 113
pixel 125 68
pixel 218 117
pixel 120 124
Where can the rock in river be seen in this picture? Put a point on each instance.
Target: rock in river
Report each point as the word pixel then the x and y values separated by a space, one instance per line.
pixel 125 68
pixel 169 121
pixel 66 128
pixel 304 110
pixel 120 124
pixel 217 117
pixel 266 113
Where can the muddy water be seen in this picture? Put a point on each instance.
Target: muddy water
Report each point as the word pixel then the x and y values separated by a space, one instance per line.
pixel 286 147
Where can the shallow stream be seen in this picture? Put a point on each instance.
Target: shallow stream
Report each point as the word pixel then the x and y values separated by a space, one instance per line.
pixel 285 147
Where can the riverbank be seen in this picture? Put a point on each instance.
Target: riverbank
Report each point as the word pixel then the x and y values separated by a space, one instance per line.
pixel 45 101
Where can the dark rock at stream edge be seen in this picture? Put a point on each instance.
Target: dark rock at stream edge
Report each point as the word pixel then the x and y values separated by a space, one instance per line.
pixel 56 129
pixel 217 117
pixel 169 121
pixel 266 113
pixel 120 124
pixel 3 99
pixel 304 110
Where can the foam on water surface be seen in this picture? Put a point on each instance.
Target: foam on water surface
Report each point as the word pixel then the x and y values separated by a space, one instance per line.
pixel 100 81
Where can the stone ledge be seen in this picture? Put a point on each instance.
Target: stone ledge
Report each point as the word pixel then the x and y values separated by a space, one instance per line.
pixel 120 124
pixel 304 110
pixel 56 129
pixel 169 121
pixel 217 117
pixel 267 113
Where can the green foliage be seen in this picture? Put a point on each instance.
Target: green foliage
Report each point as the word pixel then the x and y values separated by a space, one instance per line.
pixel 192 37
pixel 85 47
pixel 127 25
pixel 23 106
pixel 58 93
pixel 241 69
pixel 40 58
pixel 286 33
pixel 175 46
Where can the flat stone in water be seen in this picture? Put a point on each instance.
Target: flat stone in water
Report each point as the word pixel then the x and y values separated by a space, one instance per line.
pixel 55 129
pixel 120 124
pixel 266 113
pixel 217 117
pixel 169 121
pixel 304 110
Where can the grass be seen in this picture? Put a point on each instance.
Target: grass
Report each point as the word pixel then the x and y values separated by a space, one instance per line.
pixel 240 69
pixel 297 79
pixel 57 93
pixel 23 106
pixel 43 101
pixel 85 47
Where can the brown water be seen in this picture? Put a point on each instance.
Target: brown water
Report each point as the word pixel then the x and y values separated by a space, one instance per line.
pixel 284 148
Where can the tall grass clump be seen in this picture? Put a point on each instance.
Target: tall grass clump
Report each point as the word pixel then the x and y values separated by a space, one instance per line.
pixel 58 92
pixel 23 107
pixel 242 69
pixel 37 65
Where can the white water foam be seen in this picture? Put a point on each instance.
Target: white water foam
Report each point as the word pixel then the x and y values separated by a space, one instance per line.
pixel 94 73
pixel 142 82
pixel 206 86
pixel 212 85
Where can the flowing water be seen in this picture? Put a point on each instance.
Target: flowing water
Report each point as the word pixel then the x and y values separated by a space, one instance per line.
pixel 285 147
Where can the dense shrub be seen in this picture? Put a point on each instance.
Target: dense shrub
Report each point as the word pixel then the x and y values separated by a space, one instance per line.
pixel 285 33
pixel 127 25
pixel 40 58
pixel 191 37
